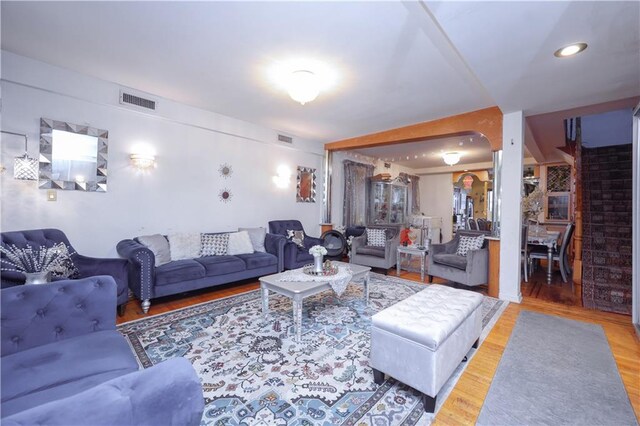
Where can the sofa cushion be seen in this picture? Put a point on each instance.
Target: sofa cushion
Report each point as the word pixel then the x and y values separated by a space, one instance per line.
pixel 453 260
pixel 184 245
pixel 371 251
pixel 57 370
pixel 220 265
pixel 376 237
pixel 467 243
pixel 257 236
pixel 159 245
pixel 214 244
pixel 258 260
pixel 179 270
pixel 239 243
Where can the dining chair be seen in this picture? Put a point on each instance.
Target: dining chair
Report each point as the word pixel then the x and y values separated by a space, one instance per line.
pixel 561 256
pixel 472 224
pixel 524 251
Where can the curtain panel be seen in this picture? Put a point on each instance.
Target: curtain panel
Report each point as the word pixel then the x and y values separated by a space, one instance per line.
pixel 414 189
pixel 355 189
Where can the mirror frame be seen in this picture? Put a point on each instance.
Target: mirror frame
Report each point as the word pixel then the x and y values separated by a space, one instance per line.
pixel 98 183
pixel 312 190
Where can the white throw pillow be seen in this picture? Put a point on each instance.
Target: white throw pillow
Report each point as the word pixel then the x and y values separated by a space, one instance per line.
pixel 159 245
pixel 239 243
pixel 257 236
pixel 214 244
pixel 467 243
pixel 376 237
pixel 184 246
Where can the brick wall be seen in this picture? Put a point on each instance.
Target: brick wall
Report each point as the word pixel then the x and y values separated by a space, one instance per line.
pixel 607 220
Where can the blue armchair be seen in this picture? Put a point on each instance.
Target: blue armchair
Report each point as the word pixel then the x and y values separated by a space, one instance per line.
pixel 294 256
pixel 87 266
pixel 64 362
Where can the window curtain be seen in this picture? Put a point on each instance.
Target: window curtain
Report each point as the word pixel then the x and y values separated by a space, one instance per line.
pixel 355 188
pixel 414 189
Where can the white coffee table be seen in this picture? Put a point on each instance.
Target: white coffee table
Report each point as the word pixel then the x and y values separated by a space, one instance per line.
pixel 412 251
pixel 298 290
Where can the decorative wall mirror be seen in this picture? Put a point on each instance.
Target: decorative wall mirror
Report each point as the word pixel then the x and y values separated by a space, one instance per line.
pixel 72 156
pixel 306 187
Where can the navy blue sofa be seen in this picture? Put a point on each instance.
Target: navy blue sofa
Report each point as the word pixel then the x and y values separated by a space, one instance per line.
pixel 64 362
pixel 148 282
pixel 87 266
pixel 294 255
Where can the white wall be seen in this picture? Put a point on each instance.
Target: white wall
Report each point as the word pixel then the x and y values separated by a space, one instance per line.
pixel 510 208
pixel 181 194
pixel 436 199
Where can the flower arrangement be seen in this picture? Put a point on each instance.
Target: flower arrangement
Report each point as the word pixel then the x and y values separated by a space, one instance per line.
pixel 54 259
pixel 404 237
pixel 532 204
pixel 318 251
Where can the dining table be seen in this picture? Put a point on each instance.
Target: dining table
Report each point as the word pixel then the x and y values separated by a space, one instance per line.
pixel 548 239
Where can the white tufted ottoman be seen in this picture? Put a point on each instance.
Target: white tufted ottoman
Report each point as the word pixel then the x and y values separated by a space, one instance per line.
pixel 421 340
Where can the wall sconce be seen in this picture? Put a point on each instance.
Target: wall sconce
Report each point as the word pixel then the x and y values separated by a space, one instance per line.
pixel 24 167
pixel 143 161
pixel 283 177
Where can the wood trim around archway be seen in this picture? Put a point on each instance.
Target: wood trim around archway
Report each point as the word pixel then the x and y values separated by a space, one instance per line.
pixel 487 122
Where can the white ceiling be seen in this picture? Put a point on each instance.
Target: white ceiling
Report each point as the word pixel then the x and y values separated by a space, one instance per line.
pixel 398 63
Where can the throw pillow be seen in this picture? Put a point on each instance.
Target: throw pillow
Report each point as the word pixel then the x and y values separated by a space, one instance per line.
pixel 239 243
pixel 467 243
pixel 214 244
pixel 64 266
pixel 376 237
pixel 184 246
pixel 257 236
pixel 159 245
pixel 296 236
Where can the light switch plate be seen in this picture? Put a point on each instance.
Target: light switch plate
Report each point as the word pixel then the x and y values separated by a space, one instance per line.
pixel 52 195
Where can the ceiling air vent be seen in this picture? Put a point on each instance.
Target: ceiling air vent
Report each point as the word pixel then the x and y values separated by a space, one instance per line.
pixel 283 138
pixel 129 99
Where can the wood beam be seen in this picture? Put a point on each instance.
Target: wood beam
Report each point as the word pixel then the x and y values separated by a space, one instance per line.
pixel 487 122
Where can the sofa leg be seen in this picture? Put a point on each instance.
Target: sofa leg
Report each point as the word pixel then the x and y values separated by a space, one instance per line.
pixel 476 343
pixel 146 304
pixel 430 278
pixel 121 309
pixel 429 403
pixel 378 376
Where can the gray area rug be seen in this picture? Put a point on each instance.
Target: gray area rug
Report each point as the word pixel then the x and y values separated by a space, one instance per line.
pixel 556 371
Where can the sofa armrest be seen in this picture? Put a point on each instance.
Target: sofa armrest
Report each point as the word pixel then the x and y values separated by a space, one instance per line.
pixel 312 241
pixel 92 266
pixel 142 267
pixel 478 263
pixel 391 248
pixel 166 394
pixel 274 244
pixel 38 314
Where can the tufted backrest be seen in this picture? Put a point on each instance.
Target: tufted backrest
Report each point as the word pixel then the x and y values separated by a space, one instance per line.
pixel 38 314
pixel 280 227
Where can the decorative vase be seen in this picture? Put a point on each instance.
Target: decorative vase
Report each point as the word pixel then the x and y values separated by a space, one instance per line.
pixel 317 263
pixel 37 277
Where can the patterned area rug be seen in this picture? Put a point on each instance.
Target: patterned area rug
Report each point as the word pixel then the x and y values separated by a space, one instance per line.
pixel 254 373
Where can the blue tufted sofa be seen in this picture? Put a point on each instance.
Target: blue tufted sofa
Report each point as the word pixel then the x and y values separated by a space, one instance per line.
pixel 149 282
pixel 294 256
pixel 64 362
pixel 87 266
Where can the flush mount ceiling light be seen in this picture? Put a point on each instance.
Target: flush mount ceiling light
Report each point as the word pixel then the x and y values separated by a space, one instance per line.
pixel 570 50
pixel 303 86
pixel 451 158
pixel 302 78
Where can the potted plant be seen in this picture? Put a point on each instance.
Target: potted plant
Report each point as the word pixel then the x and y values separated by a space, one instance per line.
pixel 318 253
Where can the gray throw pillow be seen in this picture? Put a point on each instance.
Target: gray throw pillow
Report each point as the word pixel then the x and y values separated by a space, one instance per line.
pixel 257 236
pixel 159 245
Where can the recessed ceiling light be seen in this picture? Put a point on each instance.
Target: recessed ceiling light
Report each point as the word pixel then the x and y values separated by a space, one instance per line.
pixel 570 50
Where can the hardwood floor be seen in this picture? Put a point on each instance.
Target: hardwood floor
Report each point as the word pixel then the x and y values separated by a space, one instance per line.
pixel 465 401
